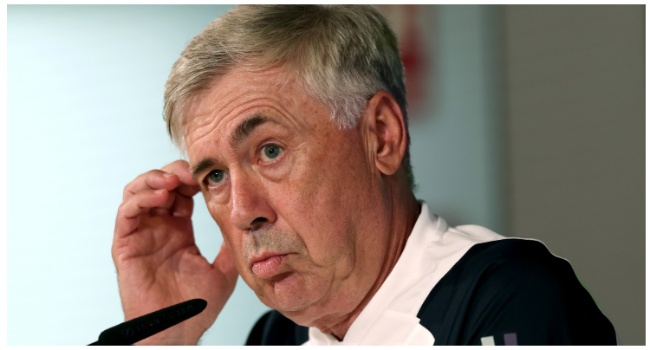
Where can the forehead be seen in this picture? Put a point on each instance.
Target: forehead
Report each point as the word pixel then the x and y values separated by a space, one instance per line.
pixel 232 90
pixel 242 93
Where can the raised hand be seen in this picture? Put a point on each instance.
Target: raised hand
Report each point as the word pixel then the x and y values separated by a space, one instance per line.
pixel 158 263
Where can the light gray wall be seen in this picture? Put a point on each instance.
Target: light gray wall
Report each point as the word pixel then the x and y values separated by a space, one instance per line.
pixel 456 138
pixel 576 146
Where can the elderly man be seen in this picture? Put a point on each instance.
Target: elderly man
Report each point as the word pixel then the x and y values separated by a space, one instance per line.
pixel 294 123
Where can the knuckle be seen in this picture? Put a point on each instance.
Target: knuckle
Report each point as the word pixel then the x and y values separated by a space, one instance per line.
pixel 122 210
pixel 140 183
pixel 127 191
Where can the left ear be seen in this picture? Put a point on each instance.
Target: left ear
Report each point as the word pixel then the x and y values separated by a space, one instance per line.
pixel 385 131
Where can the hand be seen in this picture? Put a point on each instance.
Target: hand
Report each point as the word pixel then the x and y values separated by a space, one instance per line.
pixel 158 263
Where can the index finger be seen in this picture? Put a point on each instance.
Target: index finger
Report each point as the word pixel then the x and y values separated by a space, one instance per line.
pixel 172 177
pixel 181 168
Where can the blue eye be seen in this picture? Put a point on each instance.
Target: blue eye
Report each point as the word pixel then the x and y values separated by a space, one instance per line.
pixel 271 151
pixel 215 177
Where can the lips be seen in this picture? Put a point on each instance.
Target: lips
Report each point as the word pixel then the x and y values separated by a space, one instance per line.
pixel 267 265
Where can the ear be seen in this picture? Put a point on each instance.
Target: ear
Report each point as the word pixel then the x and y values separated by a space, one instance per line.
pixel 385 131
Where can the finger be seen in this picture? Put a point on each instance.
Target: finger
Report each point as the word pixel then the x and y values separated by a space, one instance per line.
pixel 130 211
pixel 183 206
pixel 167 205
pixel 151 180
pixel 181 168
pixel 177 204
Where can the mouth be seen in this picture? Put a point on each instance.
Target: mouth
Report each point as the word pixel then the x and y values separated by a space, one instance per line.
pixel 267 265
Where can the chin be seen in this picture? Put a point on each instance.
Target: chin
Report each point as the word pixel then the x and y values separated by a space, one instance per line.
pixel 290 293
pixel 292 297
pixel 310 316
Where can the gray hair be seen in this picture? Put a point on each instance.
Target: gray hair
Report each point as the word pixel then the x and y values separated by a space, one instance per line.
pixel 342 55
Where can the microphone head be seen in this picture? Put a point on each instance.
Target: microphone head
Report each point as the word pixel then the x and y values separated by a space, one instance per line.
pixel 142 327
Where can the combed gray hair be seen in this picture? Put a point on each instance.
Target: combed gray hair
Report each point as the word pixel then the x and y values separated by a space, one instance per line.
pixel 342 55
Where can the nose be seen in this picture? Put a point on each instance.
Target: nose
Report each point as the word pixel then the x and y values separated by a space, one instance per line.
pixel 250 207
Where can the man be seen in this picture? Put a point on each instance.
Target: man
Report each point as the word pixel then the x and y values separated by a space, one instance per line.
pixel 294 123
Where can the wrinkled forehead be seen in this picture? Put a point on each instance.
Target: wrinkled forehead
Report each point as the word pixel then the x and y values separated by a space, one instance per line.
pixel 274 93
pixel 225 92
pixel 277 74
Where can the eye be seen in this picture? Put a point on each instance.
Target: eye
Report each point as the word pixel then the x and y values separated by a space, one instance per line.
pixel 271 151
pixel 215 177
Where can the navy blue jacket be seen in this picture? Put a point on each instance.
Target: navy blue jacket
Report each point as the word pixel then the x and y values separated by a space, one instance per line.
pixel 510 291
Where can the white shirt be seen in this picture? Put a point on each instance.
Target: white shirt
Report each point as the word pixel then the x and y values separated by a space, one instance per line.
pixel 390 318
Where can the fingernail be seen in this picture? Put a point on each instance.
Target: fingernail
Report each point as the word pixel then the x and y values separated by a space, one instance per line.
pixel 159 191
pixel 168 174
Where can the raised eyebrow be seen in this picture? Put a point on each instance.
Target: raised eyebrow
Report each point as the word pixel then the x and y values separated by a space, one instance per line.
pixel 201 167
pixel 245 128
pixel 242 131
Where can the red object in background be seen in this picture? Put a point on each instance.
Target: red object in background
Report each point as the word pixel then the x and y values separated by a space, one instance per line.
pixel 412 55
pixel 408 22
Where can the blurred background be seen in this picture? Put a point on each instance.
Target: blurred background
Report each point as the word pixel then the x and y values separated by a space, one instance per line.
pixel 529 120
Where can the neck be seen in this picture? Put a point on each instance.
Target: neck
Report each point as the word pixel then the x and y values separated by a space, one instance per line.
pixel 403 213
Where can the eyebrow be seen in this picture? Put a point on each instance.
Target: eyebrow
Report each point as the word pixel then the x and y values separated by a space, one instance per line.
pixel 201 167
pixel 242 131
pixel 245 128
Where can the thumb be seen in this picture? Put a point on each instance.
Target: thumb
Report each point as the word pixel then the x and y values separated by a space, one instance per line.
pixel 225 263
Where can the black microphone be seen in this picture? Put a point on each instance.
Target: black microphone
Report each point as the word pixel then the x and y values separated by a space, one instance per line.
pixel 129 332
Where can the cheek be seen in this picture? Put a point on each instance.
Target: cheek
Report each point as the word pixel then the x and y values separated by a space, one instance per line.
pixel 231 236
pixel 219 214
pixel 321 201
pixel 327 234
